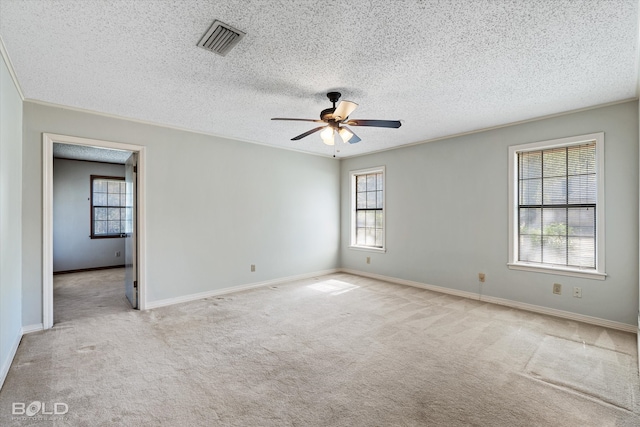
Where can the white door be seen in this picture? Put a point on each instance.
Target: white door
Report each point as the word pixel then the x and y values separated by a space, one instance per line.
pixel 130 242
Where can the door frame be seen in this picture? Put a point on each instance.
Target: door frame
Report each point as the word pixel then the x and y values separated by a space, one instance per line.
pixel 48 139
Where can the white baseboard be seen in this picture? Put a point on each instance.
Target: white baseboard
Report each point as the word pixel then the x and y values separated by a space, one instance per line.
pixel 232 289
pixel 32 328
pixel 502 301
pixel 6 364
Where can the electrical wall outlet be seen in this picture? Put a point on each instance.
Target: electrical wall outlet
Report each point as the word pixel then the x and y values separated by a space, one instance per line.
pixel 577 292
pixel 481 277
pixel 117 253
pixel 557 288
pixel 253 267
pixel 368 260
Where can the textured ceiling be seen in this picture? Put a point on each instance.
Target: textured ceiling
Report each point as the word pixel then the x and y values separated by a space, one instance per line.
pixel 93 154
pixel 442 67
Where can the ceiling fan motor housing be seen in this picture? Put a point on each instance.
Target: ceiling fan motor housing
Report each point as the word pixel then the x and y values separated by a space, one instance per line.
pixel 327 114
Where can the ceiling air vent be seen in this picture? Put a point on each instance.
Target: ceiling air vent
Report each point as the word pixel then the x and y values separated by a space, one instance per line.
pixel 220 38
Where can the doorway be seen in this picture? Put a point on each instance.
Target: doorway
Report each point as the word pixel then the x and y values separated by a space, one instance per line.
pixel 134 235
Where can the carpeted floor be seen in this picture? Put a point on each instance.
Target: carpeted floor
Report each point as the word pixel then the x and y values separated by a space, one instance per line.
pixel 337 350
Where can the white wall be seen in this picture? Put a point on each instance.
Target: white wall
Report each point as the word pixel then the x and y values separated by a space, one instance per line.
pixel 10 218
pixel 72 247
pixel 446 207
pixel 214 206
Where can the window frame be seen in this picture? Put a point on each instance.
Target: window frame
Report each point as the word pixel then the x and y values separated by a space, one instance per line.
pixel 353 195
pixel 513 263
pixel 91 208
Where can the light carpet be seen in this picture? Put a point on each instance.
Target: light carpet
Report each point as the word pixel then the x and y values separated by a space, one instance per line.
pixel 337 350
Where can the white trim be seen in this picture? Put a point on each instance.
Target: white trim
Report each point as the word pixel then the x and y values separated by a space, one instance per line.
pixel 6 364
pixel 513 263
pixel 506 125
pixel 352 203
pixel 9 64
pixel 232 289
pixel 501 301
pixel 47 215
pixel 367 248
pixel 559 270
pixel 32 328
pixel 173 127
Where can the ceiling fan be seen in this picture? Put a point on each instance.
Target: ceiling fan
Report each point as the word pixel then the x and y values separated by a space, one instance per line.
pixel 336 119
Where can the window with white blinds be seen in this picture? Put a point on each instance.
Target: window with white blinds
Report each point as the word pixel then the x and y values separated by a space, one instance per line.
pixel 556 212
pixel 367 197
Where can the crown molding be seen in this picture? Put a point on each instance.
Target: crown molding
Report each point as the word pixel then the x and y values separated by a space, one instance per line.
pixel 12 72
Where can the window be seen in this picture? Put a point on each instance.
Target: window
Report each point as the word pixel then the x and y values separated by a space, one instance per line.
pixel 367 213
pixel 110 216
pixel 556 206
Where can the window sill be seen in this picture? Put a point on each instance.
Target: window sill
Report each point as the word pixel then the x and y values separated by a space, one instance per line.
pixel 367 248
pixel 562 271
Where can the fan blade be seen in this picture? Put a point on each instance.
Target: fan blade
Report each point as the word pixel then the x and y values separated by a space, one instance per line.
pixel 298 120
pixel 302 135
pixel 343 110
pixel 376 123
pixel 348 136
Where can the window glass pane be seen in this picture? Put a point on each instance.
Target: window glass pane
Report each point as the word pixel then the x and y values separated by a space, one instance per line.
pixel 371 199
pixel 582 159
pixel 361 201
pixel 113 200
pixel 379 199
pixel 582 222
pixel 554 250
pixel 100 227
pixel 555 191
pixel 113 214
pixel 530 248
pixel 100 185
pixel 113 187
pixel 371 218
pixel 361 183
pixel 128 227
pixel 99 199
pixel 531 221
pixel 360 236
pixel 113 227
pixel 370 236
pixel 379 181
pixel 531 191
pixel 554 162
pixel 582 252
pixel 360 219
pixel 379 219
pixel 582 189
pixel 554 222
pixel 371 182
pixel 100 213
pixel 379 235
pixel 123 187
pixel 530 165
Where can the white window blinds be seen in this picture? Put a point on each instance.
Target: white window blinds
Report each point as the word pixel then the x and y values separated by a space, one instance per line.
pixel 557 192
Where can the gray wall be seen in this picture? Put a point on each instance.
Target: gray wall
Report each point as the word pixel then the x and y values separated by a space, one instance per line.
pixel 10 216
pixel 72 247
pixel 214 206
pixel 447 215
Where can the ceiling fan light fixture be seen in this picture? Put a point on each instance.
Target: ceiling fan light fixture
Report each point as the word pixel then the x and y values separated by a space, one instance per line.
pixel 327 136
pixel 345 135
